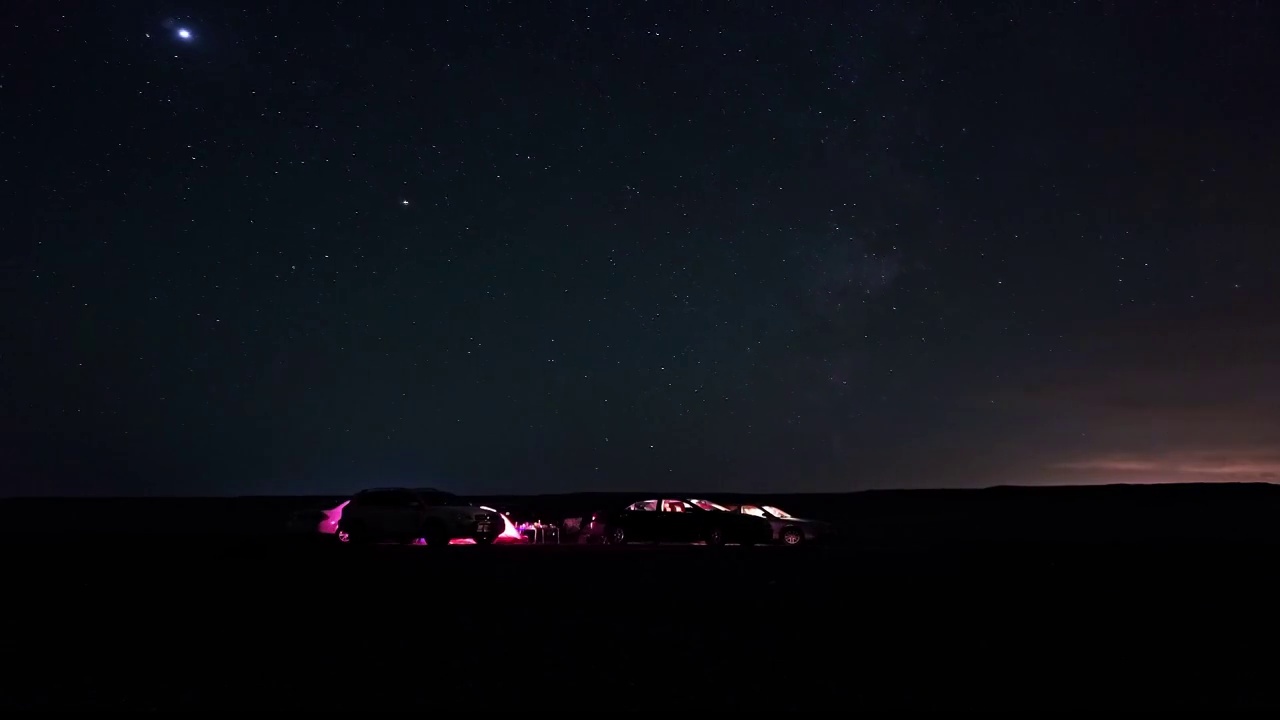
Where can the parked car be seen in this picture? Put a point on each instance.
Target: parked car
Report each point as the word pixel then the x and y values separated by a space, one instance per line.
pixel 408 515
pixel 680 520
pixel 786 528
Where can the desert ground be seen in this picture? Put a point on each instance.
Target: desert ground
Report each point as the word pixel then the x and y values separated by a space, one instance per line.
pixel 1149 598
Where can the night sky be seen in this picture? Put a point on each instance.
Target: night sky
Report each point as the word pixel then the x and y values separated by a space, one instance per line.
pixel 540 247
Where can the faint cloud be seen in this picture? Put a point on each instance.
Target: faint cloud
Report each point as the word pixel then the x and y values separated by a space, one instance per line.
pixel 1108 465
pixel 1239 463
pixel 1236 468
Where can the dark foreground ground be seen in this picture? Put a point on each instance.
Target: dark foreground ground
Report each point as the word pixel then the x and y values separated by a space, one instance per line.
pixel 223 623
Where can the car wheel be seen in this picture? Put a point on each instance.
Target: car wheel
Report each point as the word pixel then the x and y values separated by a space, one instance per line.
pixel 715 537
pixel 354 535
pixel 792 536
pixel 617 536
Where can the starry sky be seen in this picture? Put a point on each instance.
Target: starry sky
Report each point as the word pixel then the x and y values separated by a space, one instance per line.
pixel 539 247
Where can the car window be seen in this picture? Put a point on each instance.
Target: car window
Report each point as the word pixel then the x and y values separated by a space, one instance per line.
pixel 643 505
pixel 676 506
pixel 752 510
pixel 373 498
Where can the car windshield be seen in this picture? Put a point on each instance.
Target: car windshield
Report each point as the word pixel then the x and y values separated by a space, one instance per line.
pixel 764 511
pixel 708 505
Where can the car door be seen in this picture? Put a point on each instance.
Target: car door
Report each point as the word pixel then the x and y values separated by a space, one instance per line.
pixel 368 512
pixel 679 522
pixel 640 520
pixel 403 512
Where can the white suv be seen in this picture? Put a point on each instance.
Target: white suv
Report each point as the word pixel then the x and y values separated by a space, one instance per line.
pixel 407 515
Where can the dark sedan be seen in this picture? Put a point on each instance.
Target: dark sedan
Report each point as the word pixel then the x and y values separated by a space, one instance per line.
pixel 684 521
pixel 786 528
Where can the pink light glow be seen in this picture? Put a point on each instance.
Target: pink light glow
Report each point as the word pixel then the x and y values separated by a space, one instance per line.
pixel 329 525
pixel 510 533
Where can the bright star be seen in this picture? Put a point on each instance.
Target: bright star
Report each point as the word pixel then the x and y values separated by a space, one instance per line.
pixel 184 33
pixel 404 202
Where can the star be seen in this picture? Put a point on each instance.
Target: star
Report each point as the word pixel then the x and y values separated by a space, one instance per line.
pixel 404 202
